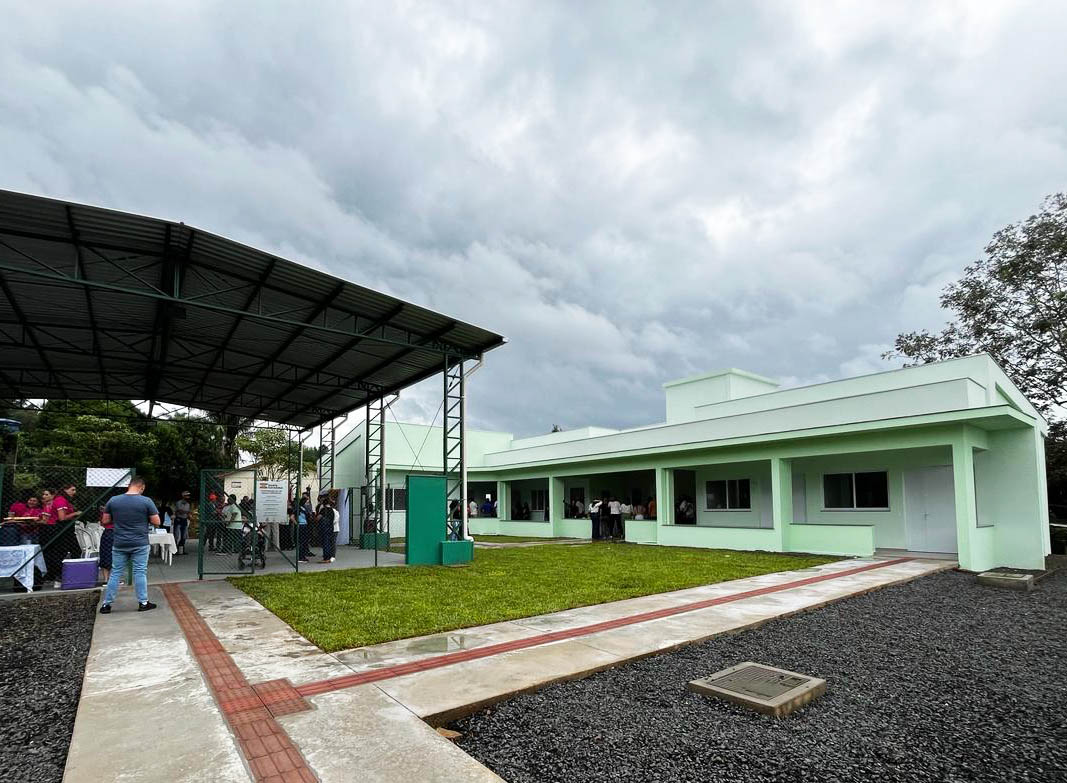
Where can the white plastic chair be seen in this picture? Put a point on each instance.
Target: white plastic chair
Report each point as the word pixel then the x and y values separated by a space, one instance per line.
pixel 96 530
pixel 85 540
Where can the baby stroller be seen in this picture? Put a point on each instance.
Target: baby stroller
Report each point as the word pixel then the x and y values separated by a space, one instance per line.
pixel 253 546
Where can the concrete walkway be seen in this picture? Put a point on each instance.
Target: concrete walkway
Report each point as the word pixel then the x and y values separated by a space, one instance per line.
pixel 372 707
pixel 146 713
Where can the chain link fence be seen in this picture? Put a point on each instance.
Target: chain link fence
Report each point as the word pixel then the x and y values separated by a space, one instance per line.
pixel 248 524
pixel 52 514
pixel 372 530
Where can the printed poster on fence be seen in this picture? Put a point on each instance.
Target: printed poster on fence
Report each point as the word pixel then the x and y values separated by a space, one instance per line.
pixel 107 477
pixel 270 501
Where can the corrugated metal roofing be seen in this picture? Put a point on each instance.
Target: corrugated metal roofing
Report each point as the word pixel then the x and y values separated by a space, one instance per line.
pixel 99 304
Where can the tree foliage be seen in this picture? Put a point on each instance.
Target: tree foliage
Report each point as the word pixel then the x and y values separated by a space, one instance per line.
pixel 1011 304
pixel 271 451
pixel 169 454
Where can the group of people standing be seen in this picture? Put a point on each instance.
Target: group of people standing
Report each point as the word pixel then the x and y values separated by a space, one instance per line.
pixel 54 510
pixel 607 514
pixel 53 530
pixel 323 519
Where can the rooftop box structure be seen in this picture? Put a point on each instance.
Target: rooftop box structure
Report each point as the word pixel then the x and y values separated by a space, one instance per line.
pixel 684 396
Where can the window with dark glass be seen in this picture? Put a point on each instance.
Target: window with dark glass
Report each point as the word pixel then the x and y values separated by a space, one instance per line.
pixel 396 499
pixel 728 495
pixel 837 490
pixel 856 490
pixel 872 490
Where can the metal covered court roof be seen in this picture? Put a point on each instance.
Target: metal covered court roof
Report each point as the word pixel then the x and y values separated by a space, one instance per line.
pixel 100 304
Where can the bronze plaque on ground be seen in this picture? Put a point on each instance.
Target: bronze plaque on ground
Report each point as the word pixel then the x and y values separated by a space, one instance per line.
pixel 762 688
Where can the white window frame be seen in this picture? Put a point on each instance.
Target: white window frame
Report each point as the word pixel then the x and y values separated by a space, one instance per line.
pixel 727 498
pixel 854 507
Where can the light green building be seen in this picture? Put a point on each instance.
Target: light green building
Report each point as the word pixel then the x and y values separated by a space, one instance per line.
pixel 945 457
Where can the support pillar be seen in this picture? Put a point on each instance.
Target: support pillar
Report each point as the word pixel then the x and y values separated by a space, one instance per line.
pixel 503 500
pixel 781 500
pixel 373 528
pixel 453 462
pixel 966 504
pixel 664 496
pixel 327 445
pixel 555 503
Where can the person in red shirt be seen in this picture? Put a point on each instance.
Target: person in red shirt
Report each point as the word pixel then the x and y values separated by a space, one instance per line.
pixel 107 541
pixel 58 541
pixel 15 532
pixel 30 507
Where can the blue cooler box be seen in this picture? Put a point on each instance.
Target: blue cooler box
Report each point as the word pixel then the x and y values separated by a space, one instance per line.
pixel 80 573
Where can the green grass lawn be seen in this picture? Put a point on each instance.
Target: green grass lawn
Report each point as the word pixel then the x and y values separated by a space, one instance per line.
pixel 351 608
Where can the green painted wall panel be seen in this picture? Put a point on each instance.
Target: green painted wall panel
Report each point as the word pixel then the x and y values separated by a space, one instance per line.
pixel 717 537
pixel 641 531
pixel 456 552
pixel 857 540
pixel 484 526
pixel 425 519
pixel 573 528
pixel 511 527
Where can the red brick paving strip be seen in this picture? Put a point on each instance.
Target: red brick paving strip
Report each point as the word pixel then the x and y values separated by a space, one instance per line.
pixel 362 678
pixel 250 709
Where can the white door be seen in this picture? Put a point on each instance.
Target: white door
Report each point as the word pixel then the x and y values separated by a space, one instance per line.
pixel 930 509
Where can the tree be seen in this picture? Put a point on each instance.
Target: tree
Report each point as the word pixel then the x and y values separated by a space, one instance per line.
pixel 185 445
pixel 169 454
pixel 1012 304
pixel 232 428
pixel 92 432
pixel 270 450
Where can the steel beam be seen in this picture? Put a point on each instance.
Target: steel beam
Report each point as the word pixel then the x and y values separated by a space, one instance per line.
pixel 233 329
pixel 319 309
pixel 377 368
pixel 327 443
pixel 413 341
pixel 89 309
pixel 344 349
pixel 453 460
pixel 16 308
pixel 372 514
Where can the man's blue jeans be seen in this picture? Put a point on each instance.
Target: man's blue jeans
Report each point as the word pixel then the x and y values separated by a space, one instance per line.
pixel 139 557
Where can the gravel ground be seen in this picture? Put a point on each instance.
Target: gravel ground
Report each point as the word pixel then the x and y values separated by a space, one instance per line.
pixel 43 645
pixel 936 680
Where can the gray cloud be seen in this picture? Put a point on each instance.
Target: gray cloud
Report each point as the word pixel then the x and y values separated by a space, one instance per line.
pixel 630 192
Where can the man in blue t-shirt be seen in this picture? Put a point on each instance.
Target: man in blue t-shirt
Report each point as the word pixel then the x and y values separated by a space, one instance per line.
pixel 131 514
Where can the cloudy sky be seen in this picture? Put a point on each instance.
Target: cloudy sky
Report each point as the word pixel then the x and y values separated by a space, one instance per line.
pixel 631 192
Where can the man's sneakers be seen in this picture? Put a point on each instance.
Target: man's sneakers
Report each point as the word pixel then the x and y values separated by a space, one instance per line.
pixel 147 606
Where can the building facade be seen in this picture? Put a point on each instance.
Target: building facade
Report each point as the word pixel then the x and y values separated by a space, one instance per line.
pixel 945 457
